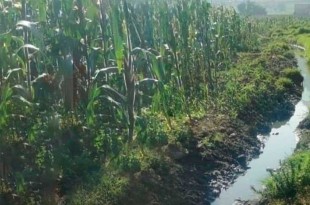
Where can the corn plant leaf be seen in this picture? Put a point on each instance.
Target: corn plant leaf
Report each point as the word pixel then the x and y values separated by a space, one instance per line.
pixel 147 80
pixel 40 77
pixel 20 89
pixel 113 93
pixel 18 39
pixel 90 112
pixel 25 23
pixel 42 11
pixel 105 71
pixel 20 61
pixel 4 99
pixel 12 71
pixel 112 101
pixel 154 64
pixel 156 68
pixel 5 95
pixel 29 46
pixel 94 92
pixel 22 99
pixel 137 50
pixel 92 9
pixel 117 39
pixel 40 6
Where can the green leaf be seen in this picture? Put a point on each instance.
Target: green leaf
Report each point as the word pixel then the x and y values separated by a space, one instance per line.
pixel 117 39
pixel 12 71
pixel 42 10
pixel 147 80
pixel 40 6
pixel 92 9
pixel 22 99
pixel 40 78
pixel 114 93
pixel 29 46
pixel 18 39
pixel 25 23
pixel 111 100
pixel 20 89
pixel 105 71
pixel 156 68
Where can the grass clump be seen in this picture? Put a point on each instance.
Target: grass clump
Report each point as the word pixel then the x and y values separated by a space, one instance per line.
pixel 276 48
pixel 107 190
pixel 303 31
pixel 293 178
pixel 304 40
pixel 293 74
pixel 283 83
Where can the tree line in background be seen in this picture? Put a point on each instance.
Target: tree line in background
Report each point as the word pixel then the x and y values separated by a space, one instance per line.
pixel 250 8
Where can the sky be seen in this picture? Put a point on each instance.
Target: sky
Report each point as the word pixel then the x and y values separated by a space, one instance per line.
pixel 272 6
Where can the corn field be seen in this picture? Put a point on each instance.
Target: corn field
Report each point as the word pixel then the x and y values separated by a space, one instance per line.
pixel 80 79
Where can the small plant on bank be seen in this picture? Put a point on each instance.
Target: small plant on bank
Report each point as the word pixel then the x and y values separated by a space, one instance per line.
pixel 293 74
pixel 292 178
pixel 283 83
pixel 104 190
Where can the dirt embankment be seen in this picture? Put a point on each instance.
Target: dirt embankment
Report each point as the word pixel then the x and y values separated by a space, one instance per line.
pixel 195 171
pixel 304 129
pixel 221 146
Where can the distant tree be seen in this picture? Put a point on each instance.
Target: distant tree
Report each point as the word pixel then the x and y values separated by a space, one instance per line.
pixel 250 8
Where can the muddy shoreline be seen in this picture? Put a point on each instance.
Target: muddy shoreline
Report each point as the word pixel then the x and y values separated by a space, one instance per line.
pixel 220 167
pixel 218 147
pixel 209 170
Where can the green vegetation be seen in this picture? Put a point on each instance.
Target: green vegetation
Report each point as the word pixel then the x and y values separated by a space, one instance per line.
pixel 98 99
pixel 100 90
pixel 291 184
pixel 293 75
pixel 304 39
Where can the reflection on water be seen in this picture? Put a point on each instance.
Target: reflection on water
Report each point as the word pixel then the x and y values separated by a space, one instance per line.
pixel 279 144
